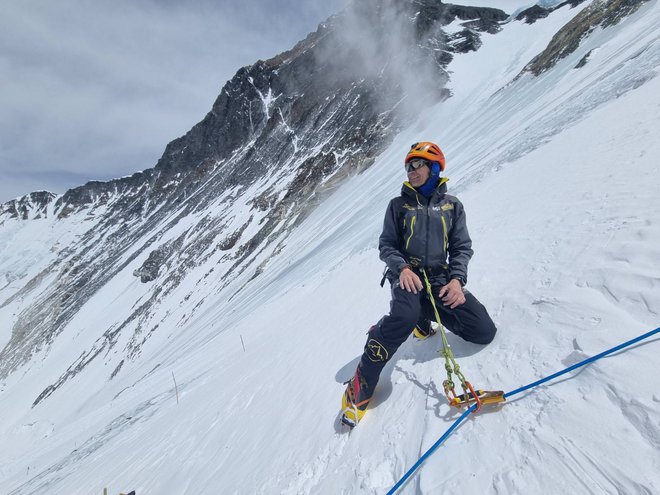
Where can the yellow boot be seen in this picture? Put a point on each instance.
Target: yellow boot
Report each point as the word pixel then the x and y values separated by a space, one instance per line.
pixel 353 406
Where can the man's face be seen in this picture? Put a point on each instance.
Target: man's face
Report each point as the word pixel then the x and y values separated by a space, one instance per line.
pixel 419 176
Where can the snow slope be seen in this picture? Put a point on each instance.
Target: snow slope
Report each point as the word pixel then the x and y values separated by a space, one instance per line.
pixel 558 175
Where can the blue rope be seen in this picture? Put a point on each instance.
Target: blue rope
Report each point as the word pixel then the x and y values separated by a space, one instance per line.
pixel 432 449
pixel 514 392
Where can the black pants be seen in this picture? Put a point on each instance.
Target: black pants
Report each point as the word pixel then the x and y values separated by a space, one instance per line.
pixel 469 321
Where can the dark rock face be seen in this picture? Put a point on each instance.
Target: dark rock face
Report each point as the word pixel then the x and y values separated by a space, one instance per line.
pixel 536 12
pixel 533 14
pixel 157 258
pixel 280 135
pixel 33 205
pixel 583 61
pixel 602 13
pixel 479 18
pixel 476 20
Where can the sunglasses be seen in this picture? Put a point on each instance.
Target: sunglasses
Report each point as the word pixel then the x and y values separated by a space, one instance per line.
pixel 416 163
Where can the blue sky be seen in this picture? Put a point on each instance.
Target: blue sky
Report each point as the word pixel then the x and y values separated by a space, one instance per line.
pixel 93 90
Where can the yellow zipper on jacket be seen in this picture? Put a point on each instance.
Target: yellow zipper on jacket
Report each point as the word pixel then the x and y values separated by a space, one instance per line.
pixel 412 230
pixel 444 228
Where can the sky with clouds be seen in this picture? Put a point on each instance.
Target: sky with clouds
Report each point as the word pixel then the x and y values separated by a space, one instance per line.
pixel 93 90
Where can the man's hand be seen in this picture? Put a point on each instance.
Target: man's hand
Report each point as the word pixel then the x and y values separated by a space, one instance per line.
pixel 409 281
pixel 452 294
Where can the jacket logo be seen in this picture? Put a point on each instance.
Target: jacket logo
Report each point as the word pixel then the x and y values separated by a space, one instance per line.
pixel 408 207
pixel 447 207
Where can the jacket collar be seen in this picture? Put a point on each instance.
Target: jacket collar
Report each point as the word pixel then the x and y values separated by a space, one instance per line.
pixel 408 190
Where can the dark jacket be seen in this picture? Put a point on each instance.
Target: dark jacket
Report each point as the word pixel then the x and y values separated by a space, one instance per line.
pixel 430 234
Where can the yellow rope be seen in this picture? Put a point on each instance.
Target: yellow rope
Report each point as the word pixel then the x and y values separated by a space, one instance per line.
pixel 450 363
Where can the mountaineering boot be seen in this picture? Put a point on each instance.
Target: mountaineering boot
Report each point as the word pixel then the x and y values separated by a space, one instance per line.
pixel 424 330
pixel 353 402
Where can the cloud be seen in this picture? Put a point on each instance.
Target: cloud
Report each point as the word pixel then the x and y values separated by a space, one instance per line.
pixel 381 38
pixel 96 89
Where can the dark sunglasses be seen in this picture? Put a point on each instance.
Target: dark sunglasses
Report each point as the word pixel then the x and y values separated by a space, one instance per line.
pixel 416 163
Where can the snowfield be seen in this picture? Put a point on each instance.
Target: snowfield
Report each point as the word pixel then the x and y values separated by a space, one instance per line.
pixel 559 176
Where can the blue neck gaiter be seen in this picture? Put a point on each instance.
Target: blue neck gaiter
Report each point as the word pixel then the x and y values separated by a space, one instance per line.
pixel 428 188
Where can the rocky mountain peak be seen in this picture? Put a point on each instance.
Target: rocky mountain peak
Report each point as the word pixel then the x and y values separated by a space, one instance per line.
pixel 600 13
pixel 30 206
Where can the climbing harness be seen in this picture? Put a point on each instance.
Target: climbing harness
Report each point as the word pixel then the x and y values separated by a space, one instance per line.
pixel 469 395
pixel 473 407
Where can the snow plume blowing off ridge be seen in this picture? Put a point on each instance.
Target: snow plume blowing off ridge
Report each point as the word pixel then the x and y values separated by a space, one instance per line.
pixel 382 39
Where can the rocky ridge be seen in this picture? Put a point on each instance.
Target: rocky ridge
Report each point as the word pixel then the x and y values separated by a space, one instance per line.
pixel 600 13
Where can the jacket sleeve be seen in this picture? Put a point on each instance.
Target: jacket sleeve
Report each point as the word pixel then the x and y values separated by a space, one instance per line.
pixel 460 245
pixel 390 241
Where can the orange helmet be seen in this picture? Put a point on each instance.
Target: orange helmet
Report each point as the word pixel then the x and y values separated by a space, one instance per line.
pixel 427 150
